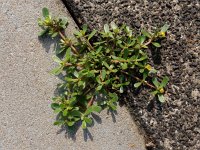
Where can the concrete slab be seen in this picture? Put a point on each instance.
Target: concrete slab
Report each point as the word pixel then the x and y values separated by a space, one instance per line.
pixel 26 120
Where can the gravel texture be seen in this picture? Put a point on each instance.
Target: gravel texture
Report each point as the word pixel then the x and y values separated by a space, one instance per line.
pixel 176 124
pixel 26 88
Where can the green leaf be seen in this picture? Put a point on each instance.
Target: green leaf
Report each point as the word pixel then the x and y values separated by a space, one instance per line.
pixel 164 82
pixel 103 74
pixel 57 70
pixel 139 64
pixel 76 119
pixel 62 106
pixel 73 101
pixel 99 43
pixel 96 108
pixel 113 106
pixel 128 31
pixel 40 22
pixel 54 34
pixel 75 113
pixel 45 12
pixel 59 50
pixel 84 125
pixel 42 32
pixel 141 39
pixel 91 109
pixel 154 92
pixel 71 79
pixel 155 82
pixel 65 112
pixel 99 87
pixel 124 66
pixel 70 123
pixel 84 28
pixel 142 58
pixel 76 74
pixel 146 33
pixel 106 65
pixel 78 34
pixel 68 54
pixel 156 44
pixel 55 106
pixel 141 70
pixel 107 82
pixel 121 78
pixel 106 28
pixel 113 25
pixel 99 49
pixel 165 28
pixel 56 59
pixel 98 79
pixel 64 22
pixel 92 34
pixel 145 74
pixel 132 43
pixel 144 46
pixel 81 83
pixel 121 90
pixel 57 110
pixel 88 120
pixel 126 52
pixel 136 85
pixel 137 46
pixel 153 70
pixel 91 74
pixel 59 122
pixel 114 97
pixel 161 98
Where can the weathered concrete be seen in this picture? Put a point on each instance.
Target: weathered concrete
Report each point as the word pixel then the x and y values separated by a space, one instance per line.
pixel 27 87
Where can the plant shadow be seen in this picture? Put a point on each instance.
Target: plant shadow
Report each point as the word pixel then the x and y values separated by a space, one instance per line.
pixel 155 54
pixel 113 114
pixel 71 132
pixel 47 42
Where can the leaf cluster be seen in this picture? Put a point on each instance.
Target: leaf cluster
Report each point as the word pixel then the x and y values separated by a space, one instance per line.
pixel 50 25
pixel 95 73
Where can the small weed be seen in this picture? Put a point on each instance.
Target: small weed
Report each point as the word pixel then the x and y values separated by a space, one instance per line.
pixel 97 72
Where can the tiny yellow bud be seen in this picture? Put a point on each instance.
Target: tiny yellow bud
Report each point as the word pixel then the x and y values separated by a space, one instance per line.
pixel 148 67
pixel 162 90
pixel 46 21
pixel 162 34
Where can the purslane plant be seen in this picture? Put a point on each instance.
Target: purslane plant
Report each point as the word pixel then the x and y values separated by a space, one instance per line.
pixel 95 73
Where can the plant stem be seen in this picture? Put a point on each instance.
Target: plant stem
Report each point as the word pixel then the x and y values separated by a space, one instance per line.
pixel 138 79
pixel 89 45
pixel 62 35
pixel 90 103
pixel 119 61
pixel 89 90
pixel 148 42
pixel 84 40
pixel 70 64
pixel 69 43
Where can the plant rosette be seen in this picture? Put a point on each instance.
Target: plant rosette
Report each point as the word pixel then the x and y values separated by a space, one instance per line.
pixel 103 68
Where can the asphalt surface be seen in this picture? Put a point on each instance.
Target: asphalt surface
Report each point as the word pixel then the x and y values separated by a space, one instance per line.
pixel 174 125
pixel 26 88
